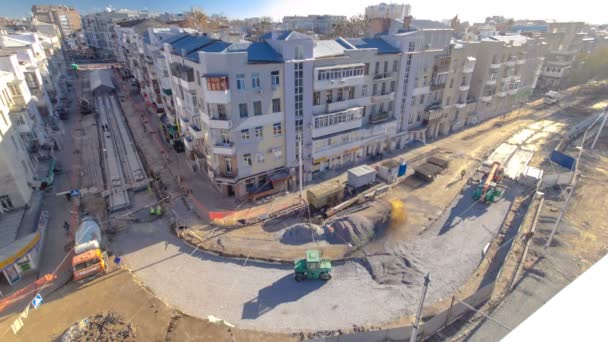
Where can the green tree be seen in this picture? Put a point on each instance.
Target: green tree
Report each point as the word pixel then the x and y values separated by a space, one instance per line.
pixel 588 66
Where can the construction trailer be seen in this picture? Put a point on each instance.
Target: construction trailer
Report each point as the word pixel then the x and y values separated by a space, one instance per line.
pixel 361 176
pixel 389 171
pixel 325 194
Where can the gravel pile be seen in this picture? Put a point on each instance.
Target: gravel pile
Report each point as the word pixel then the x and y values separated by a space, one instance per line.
pixel 391 269
pixel 357 229
pixel 105 326
pixel 301 233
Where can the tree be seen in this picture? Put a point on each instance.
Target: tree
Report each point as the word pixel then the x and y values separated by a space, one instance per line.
pixel 200 21
pixel 588 66
pixel 354 26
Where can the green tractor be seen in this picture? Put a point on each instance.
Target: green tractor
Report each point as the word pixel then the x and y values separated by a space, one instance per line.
pixel 313 267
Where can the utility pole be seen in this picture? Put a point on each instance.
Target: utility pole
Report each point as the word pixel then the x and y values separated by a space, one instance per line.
pixel 300 162
pixel 599 131
pixel 427 281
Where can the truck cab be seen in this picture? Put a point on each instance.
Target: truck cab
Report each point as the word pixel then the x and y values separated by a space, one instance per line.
pixel 551 97
pixel 88 264
pixel 312 267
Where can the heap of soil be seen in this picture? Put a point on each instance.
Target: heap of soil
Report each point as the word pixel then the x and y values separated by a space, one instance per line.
pixel 105 326
pixel 359 228
pixel 301 233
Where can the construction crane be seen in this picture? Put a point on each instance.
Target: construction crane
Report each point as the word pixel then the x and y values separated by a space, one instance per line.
pixel 488 189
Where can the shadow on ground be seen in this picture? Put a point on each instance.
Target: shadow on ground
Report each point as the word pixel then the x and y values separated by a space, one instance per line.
pixel 279 292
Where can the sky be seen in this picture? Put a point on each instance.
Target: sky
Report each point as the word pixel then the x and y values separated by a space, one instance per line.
pixel 591 11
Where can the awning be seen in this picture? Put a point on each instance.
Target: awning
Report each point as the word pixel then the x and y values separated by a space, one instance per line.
pixel 17 249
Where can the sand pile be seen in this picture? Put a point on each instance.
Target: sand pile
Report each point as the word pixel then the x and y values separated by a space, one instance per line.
pixel 391 269
pixel 301 233
pixel 358 228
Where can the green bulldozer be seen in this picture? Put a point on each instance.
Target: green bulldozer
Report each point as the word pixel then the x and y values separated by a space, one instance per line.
pixel 312 267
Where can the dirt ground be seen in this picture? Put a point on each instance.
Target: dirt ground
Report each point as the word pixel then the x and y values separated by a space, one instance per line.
pixel 424 201
pixel 118 292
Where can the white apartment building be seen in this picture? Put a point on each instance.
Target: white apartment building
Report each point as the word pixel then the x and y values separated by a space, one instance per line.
pixel 563 43
pixel 242 108
pixel 390 11
pixel 16 165
pixel 99 29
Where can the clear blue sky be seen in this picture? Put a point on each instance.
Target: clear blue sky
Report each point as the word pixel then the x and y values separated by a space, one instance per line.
pixel 593 11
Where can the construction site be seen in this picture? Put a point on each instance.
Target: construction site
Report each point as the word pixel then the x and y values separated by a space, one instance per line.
pixel 454 209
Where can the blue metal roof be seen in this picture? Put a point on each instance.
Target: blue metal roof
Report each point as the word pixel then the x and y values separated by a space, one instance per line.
pixel 282 35
pixel 189 44
pixel 371 43
pixel 262 52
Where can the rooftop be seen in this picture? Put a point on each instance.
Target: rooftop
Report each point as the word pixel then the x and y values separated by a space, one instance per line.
pixel 369 43
pixel 257 52
pixel 327 48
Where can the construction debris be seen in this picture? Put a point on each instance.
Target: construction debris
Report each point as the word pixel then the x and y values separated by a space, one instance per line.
pixel 105 326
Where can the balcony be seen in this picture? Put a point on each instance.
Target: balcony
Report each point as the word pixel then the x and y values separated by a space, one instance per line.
pixel 486 98
pixel 421 91
pixel 342 105
pixel 338 76
pixel 379 117
pixel 491 82
pixel 225 149
pixel 324 130
pixel 494 65
pixel 460 104
pixel 220 122
pixel 464 87
pixel 196 132
pixel 383 97
pixel 521 61
pixel 217 96
pixel 510 63
pixel 468 69
pixel 18 102
pixel 184 121
pixel 383 76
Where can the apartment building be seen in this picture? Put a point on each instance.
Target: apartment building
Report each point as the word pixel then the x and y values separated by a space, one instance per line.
pixel 563 41
pixel 66 18
pixel 248 112
pixel 390 11
pixel 320 24
pixel 506 73
pixel 99 29
pixel 17 130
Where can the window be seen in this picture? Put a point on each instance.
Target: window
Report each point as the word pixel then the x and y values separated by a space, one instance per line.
pixel 260 158
pixel 363 91
pixel 448 100
pixel 375 90
pixel 275 79
pixel 351 93
pixel 395 65
pixel 339 97
pixel 243 110
pixel 247 158
pixel 422 99
pixel 299 53
pixel 385 67
pixel 240 81
pixel 377 69
pixel 299 125
pixel 316 98
pixel 328 96
pixel 451 83
pixel 276 129
pixel 221 111
pixel 257 108
pixel 259 132
pixel 392 86
pixel 228 165
pixel 383 92
pixel 250 185
pixel 366 68
pixel 245 135
pixel 390 106
pixel 413 101
pixel 412 46
pixel 255 80
pixel 5 202
pixel 217 83
pixel 276 105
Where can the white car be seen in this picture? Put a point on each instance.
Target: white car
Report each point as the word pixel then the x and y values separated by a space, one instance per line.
pixel 552 97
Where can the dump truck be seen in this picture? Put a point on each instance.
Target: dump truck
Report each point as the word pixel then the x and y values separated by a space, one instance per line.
pixel 89 258
pixel 312 267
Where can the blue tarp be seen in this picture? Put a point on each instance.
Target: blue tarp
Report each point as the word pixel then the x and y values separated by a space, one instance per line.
pixel 563 160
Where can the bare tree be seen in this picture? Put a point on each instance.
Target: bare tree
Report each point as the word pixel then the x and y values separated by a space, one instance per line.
pixel 198 19
pixel 354 26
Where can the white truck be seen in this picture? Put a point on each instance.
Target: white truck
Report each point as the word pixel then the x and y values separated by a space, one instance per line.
pixel 552 97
